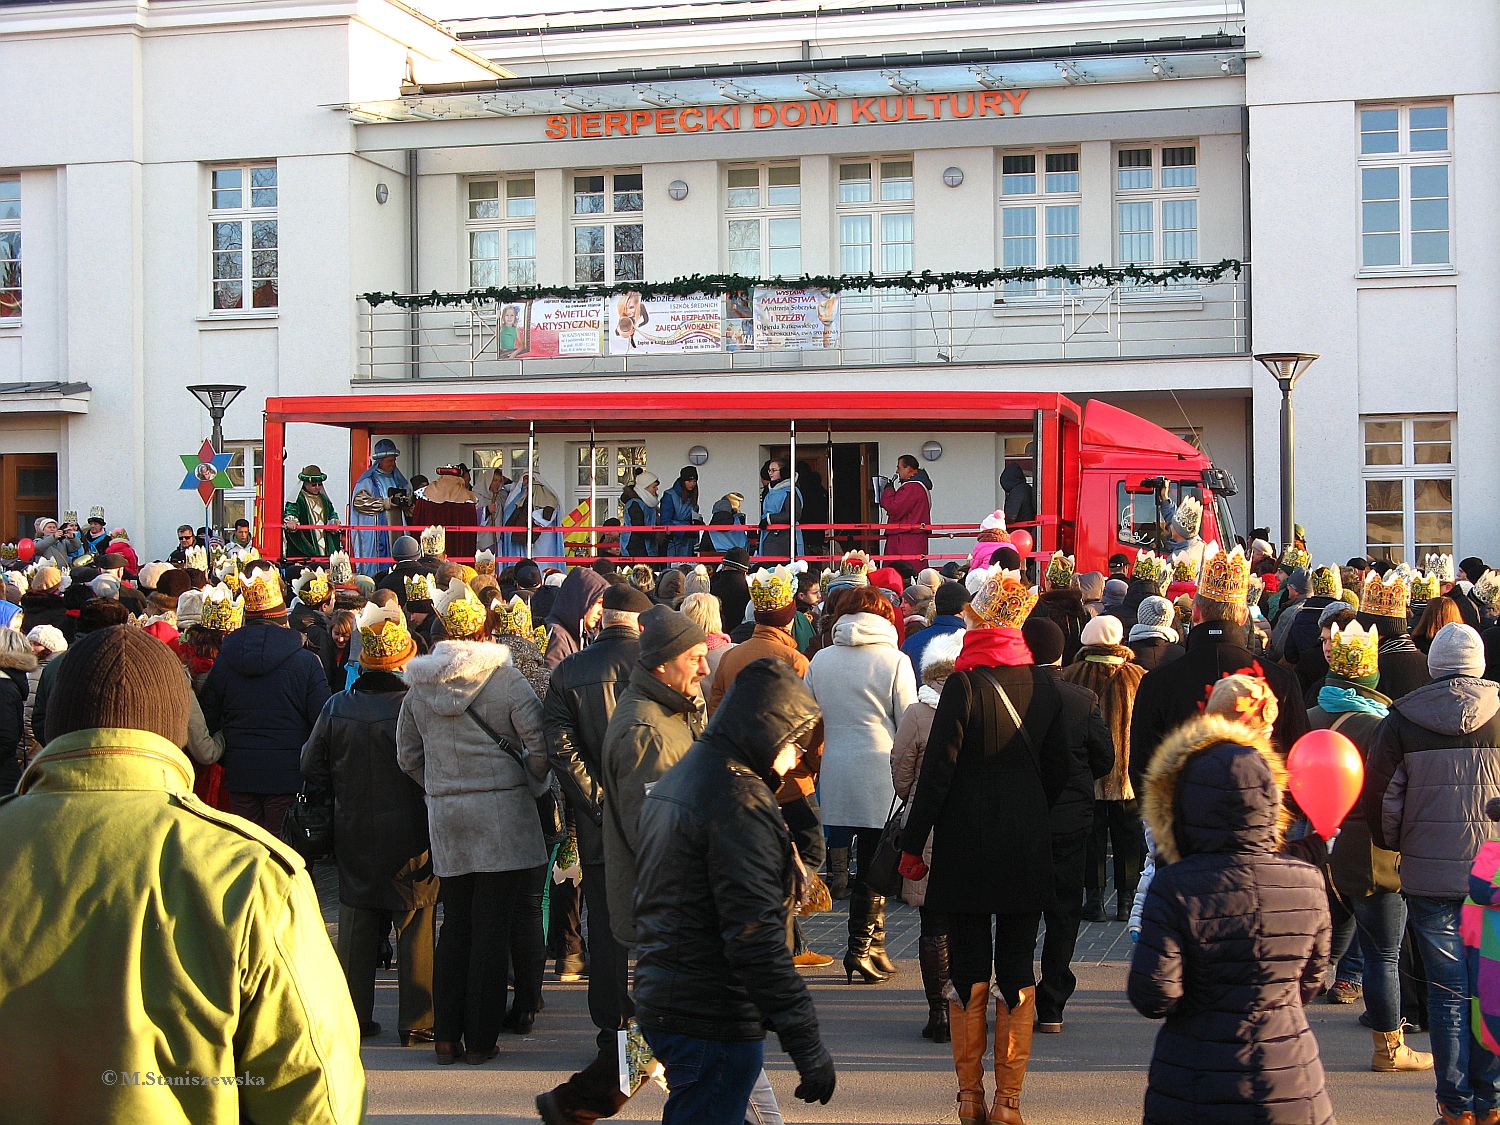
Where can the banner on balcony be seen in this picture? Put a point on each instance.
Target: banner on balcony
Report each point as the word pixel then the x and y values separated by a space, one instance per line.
pixel 665 325
pixel 795 319
pixel 546 329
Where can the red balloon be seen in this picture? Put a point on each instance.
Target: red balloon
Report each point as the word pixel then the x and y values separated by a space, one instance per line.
pixel 1327 774
pixel 1021 540
pixel 25 549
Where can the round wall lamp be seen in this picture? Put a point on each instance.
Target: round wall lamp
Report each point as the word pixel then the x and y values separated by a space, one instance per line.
pixel 953 176
pixel 931 450
pixel 698 455
pixel 677 189
pixel 382 193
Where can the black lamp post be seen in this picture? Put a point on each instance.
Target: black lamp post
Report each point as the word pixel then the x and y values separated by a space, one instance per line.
pixel 1286 368
pixel 217 397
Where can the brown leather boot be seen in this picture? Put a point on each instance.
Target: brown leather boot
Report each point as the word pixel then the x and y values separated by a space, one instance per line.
pixel 1012 1053
pixel 1465 1117
pixel 970 1024
pixel 1392 1053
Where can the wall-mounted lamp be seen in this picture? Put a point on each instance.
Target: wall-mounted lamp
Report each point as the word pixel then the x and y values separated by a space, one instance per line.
pixel 677 189
pixel 698 455
pixel 382 193
pixel 953 176
pixel 931 450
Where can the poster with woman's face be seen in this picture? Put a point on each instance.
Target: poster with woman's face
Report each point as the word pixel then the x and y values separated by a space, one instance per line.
pixel 665 325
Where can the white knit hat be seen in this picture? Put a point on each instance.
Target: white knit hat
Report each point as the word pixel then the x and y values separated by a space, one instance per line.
pixel 1103 630
pixel 49 637
pixel 993 520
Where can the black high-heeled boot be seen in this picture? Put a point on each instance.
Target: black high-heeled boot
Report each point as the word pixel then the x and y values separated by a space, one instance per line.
pixel 878 956
pixel 861 933
pixel 932 955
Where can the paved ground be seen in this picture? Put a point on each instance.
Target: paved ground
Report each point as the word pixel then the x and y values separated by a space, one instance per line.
pixel 1092 1074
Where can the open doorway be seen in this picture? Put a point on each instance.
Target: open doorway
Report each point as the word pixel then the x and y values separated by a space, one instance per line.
pixel 834 480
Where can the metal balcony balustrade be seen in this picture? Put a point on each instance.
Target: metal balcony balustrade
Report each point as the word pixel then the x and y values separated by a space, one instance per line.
pixel 1033 322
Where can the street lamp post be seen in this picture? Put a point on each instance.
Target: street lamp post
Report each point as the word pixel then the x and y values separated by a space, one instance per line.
pixel 217 397
pixel 1286 368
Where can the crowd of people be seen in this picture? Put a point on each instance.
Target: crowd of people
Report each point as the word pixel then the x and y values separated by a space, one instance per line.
pixel 647 775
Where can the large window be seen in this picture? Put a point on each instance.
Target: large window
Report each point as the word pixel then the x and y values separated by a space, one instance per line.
pixel 1405 183
pixel 10 246
pixel 764 208
pixel 244 471
pixel 615 466
pixel 1156 203
pixel 608 238
pixel 1408 478
pixel 1039 199
pixel 242 215
pixel 502 231
pixel 876 228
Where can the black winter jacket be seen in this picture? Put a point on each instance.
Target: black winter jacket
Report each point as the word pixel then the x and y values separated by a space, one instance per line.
pixel 1303 647
pixel 1403 666
pixel 379 814
pixel 13 691
pixel 1092 754
pixel 1153 652
pixel 47 609
pixel 1234 939
pixel 732 589
pixel 580 700
pixel 265 692
pixel 717 875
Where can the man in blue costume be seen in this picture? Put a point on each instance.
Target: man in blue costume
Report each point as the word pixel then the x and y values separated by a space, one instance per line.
pixel 374 507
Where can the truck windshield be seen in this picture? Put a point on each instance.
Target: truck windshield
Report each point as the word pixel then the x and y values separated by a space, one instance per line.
pixel 1226 522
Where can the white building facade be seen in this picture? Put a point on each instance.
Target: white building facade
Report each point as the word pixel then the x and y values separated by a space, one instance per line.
pixel 199 192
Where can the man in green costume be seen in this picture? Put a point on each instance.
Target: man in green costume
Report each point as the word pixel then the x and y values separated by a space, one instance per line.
pixel 305 516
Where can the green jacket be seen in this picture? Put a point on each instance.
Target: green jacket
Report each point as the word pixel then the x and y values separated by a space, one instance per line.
pixel 148 939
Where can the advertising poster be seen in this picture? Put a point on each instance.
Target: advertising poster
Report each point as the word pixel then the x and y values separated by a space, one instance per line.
pixel 552 328
pixel 739 323
pixel 795 319
pixel 665 325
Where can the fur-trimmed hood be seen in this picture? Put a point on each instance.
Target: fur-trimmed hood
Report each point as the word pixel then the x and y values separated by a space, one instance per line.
pixel 19 660
pixel 939 656
pixel 451 676
pixel 1214 786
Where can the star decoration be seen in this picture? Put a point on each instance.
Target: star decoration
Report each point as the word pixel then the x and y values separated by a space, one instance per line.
pixel 205 471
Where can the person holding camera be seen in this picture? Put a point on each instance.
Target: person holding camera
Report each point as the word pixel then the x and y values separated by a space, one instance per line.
pixel 381 495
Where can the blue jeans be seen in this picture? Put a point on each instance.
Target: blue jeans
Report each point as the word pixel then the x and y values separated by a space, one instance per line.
pixel 1380 920
pixel 1466 1073
pixel 708 1081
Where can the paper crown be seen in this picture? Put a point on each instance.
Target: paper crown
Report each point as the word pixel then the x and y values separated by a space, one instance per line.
pixel 828 575
pixel 230 578
pixel 1487 590
pixel 222 610
pixel 484 562
pixel 1293 557
pixel 1149 566
pixel 1385 598
pixel 1184 568
pixel 772 589
pixel 195 558
pixel 340 571
pixel 1441 566
pixel 1225 576
pixel 856 562
pixel 1004 601
pixel 262 586
pixel 462 613
pixel 312 586
pixel 1425 587
pixel 419 588
pixel 1326 582
pixel 70 516
pixel 434 541
pixel 512 618
pixel 97 513
pixel 383 637
pixel 1060 571
pixel 1255 586
pixel 1354 652
pixel 8 551
pixel 1189 517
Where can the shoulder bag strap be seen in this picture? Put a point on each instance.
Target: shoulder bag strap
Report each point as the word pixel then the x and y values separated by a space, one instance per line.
pixel 499 739
pixel 1340 720
pixel 989 677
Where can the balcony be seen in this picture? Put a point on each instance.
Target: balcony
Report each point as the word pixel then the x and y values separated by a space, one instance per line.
pixel 1033 322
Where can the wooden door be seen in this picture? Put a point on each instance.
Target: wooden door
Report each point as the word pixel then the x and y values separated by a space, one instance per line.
pixel 28 490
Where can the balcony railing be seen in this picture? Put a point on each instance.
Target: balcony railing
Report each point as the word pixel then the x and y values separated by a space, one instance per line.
pixel 1031 323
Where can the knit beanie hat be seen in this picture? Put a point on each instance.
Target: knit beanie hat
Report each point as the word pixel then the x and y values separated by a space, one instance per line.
pixel 49 637
pixel 189 608
pixel 1044 639
pixel 120 677
pixel 1091 586
pixel 151 574
pixel 175 582
pixel 931 579
pixel 1103 630
pixel 1114 592
pixel 665 634
pixel 105 586
pixel 1155 611
pixel 1456 651
pixel 96 614
pixel 405 549
pixel 367 587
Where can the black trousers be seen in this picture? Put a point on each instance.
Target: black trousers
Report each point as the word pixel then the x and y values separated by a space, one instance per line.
pixel 1063 920
pixel 528 948
pixel 361 933
pixel 1117 824
pixel 972 952
pixel 473 953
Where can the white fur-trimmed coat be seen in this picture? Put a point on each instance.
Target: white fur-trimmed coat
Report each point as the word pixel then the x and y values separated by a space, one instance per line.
pixel 481 804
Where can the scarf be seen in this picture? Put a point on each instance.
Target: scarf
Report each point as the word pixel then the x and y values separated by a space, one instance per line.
pixel 993 648
pixel 1105 658
pixel 1336 700
pixel 717 640
pixel 1159 632
pixel 929 695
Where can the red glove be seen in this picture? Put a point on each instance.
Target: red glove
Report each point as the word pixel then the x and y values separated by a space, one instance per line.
pixel 912 867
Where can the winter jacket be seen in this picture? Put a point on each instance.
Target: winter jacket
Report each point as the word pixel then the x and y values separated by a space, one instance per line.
pixel 1434 762
pixel 57 550
pixel 142 931
pixel 717 876
pixel 264 693
pixel 14 690
pixel 732 588
pixel 863 684
pixel 677 509
pixel 916 644
pixel 1065 608
pixel 579 590
pixel 987 797
pixel 1303 647
pixel 1234 938
pixel 776 518
pixel 1020 500
pixel 652 728
pixel 580 701
pixel 1173 693
pixel 1091 754
pixel 1107 671
pixel 1153 652
pixel 909 503
pixel 635 512
pixel 907 752
pixel 1355 866
pixel 481 802
pixel 379 815
pixel 46 609
pixel 1403 666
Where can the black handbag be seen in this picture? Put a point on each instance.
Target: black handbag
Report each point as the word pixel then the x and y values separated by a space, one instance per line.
pixel 548 810
pixel 884 877
pixel 308 827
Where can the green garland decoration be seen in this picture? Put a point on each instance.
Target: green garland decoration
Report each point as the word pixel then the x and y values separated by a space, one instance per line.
pixel 721 283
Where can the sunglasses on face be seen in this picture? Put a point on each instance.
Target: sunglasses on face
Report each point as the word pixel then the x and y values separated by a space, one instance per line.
pixel 184 538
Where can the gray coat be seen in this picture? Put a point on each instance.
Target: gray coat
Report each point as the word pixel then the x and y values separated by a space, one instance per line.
pixel 481 804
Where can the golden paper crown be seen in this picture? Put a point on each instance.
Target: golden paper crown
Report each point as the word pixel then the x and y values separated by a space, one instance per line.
pixel 1255 586
pixel 1004 601
pixel 828 575
pixel 1293 557
pixel 1184 569
pixel 97 513
pixel 1226 574
pixel 70 516
pixel 231 578
pixel 419 588
pixel 1326 582
pixel 312 586
pixel 1060 571
pixel 384 639
pixel 1149 566
pixel 340 570
pixel 772 589
pixel 512 618
pixel 434 540
pixel 856 562
pixel 195 558
pixel 1441 566
pixel 222 610
pixel 262 586
pixel 1189 517
pixel 8 551
pixel 1385 598
pixel 1487 590
pixel 462 613
pixel 1354 652
pixel 1425 587
pixel 484 562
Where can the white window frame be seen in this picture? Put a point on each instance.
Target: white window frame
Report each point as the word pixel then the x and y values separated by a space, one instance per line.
pixel 245 492
pixel 1043 205
pixel 11 307
pixel 773 221
pixel 608 484
pixel 251 219
pixel 510 225
pixel 877 208
pixel 611 219
pixel 1158 198
pixel 1412 549
pixel 1403 160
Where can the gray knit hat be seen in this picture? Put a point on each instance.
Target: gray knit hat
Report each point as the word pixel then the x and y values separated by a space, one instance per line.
pixel 406 549
pixel 666 634
pixel 1154 611
pixel 1456 651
